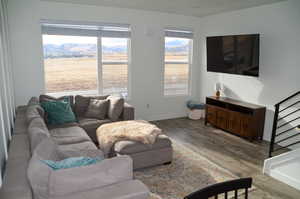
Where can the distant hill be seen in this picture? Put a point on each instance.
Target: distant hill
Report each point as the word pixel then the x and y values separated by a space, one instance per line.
pixel 90 50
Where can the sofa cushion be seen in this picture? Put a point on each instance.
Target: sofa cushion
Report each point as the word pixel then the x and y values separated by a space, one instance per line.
pixel 33 101
pixel 81 146
pixel 75 180
pixel 116 106
pixel 90 125
pixel 34 111
pixel 82 103
pixel 37 132
pixel 69 135
pixel 130 147
pixel 97 109
pixel 65 125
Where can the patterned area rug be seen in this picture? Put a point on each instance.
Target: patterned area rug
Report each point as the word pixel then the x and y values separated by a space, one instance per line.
pixel 188 172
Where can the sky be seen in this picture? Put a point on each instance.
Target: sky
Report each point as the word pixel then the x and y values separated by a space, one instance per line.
pixel 59 39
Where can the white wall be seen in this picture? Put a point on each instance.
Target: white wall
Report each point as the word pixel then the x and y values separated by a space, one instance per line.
pixel 279 28
pixel 277 23
pixel 147 51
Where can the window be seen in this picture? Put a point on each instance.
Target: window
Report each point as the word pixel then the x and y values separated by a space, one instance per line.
pixel 115 65
pixel 178 53
pixel 86 59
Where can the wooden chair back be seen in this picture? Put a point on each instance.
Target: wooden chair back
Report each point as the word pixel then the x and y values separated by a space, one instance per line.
pixel 223 188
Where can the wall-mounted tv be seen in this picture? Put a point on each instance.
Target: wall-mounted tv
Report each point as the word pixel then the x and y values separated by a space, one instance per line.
pixel 234 54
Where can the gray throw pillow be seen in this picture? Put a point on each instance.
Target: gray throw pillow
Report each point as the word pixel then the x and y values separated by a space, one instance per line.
pixel 82 103
pixel 97 109
pixel 116 106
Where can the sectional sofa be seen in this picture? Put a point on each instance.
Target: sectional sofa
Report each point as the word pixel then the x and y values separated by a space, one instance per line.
pixel 27 177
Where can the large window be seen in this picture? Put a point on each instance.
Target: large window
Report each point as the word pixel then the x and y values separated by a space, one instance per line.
pixel 85 59
pixel 178 53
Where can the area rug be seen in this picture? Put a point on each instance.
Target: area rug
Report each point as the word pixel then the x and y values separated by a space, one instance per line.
pixel 188 172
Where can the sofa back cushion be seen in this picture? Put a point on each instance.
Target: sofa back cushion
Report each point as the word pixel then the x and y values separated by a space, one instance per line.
pixel 37 131
pixel 34 111
pixel 33 101
pixel 82 103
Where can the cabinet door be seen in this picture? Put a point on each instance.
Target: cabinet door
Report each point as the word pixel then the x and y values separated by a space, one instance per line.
pixel 246 128
pixel 234 122
pixel 222 118
pixel 211 115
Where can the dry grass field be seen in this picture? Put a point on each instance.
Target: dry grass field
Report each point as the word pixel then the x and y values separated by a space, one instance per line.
pixel 80 74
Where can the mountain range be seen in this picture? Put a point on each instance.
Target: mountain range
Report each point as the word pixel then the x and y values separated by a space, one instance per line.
pixel 90 50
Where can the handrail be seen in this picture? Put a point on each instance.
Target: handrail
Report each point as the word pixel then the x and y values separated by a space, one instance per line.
pixel 275 128
pixel 286 99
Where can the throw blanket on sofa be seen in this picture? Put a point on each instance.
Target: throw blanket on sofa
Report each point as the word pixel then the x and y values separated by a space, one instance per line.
pixel 134 130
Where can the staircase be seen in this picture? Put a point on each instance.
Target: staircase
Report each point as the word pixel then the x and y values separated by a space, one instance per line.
pixel 284 153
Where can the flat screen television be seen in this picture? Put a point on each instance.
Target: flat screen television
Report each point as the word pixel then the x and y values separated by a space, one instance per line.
pixel 234 54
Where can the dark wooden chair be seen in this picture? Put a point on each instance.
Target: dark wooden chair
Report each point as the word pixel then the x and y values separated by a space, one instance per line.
pixel 222 188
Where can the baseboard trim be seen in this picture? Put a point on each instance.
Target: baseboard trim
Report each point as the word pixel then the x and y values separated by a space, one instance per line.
pixel 163 116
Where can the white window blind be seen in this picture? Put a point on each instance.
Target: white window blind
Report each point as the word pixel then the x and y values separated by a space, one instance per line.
pixel 179 33
pixel 110 30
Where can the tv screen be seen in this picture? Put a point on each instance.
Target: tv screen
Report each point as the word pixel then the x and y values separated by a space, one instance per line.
pixel 234 54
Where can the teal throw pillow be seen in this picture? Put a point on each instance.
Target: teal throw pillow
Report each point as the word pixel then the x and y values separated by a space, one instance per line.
pixel 71 162
pixel 58 112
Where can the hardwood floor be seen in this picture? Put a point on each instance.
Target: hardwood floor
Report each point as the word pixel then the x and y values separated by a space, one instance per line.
pixel 239 156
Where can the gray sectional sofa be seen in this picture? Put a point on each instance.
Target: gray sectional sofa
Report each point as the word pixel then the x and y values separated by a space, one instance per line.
pixel 26 177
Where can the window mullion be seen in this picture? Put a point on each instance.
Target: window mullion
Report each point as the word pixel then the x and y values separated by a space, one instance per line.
pixel 190 66
pixel 99 63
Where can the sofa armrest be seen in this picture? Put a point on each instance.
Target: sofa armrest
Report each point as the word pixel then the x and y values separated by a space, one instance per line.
pixel 128 112
pixel 106 172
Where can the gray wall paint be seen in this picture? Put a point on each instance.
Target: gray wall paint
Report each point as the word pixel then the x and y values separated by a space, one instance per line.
pixel 279 28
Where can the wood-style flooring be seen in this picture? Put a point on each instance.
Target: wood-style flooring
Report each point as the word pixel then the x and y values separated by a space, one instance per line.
pixel 239 156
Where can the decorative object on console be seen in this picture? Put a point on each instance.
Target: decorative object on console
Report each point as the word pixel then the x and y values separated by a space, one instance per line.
pixel 218 89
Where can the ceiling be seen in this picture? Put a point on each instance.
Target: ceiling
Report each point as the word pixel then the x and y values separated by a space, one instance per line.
pixel 198 8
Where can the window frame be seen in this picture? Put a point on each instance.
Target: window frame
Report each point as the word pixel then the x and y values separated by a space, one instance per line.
pixel 184 34
pixel 99 34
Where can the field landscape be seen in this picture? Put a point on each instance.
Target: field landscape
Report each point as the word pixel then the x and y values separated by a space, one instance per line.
pixel 74 68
